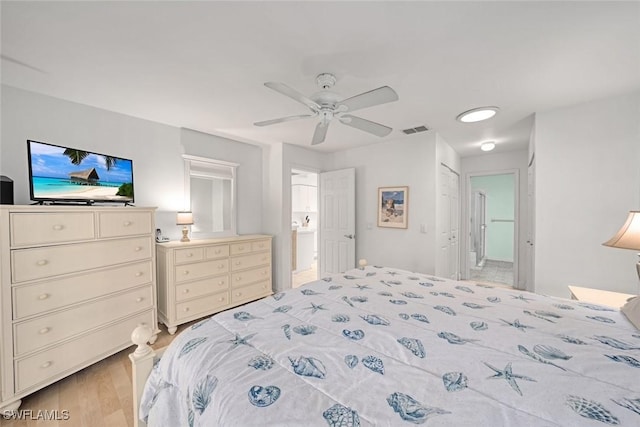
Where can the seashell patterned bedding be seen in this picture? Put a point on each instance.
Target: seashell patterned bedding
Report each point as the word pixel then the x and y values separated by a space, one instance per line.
pixel 379 347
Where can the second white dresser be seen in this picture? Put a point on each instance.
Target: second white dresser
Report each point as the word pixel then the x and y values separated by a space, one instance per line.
pixel 202 277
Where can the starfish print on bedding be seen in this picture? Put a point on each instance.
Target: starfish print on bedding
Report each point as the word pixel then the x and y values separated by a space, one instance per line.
pixel 516 324
pixel 241 340
pixel 363 287
pixel 522 298
pixel 508 375
pixel 315 308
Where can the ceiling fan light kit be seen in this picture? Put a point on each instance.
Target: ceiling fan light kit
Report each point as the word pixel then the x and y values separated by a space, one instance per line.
pixel 327 106
pixel 477 114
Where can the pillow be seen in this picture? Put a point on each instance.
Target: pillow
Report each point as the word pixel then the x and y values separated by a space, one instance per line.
pixel 632 310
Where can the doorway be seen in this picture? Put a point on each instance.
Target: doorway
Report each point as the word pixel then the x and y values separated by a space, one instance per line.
pixel 304 227
pixel 492 254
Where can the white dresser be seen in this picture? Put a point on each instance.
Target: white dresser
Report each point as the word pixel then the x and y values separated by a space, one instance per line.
pixel 75 281
pixel 202 277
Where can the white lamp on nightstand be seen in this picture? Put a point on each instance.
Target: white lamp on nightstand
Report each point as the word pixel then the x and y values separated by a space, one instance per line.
pixel 185 218
pixel 628 237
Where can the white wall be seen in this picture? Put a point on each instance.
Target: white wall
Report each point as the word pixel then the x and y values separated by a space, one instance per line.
pixel 587 179
pixel 248 174
pixel 411 162
pixel 515 161
pixel 155 149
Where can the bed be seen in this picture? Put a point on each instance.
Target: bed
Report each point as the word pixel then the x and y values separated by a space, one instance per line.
pixel 382 346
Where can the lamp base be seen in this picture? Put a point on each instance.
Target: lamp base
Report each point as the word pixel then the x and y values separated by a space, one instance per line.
pixel 185 235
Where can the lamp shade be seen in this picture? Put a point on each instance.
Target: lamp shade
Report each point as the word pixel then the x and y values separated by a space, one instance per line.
pixel 184 218
pixel 628 237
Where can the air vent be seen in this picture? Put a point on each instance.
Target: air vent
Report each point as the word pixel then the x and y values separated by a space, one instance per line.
pixel 415 130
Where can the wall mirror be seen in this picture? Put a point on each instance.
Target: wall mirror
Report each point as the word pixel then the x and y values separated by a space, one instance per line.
pixel 210 195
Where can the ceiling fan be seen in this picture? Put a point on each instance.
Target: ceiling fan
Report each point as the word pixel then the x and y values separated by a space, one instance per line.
pixel 328 105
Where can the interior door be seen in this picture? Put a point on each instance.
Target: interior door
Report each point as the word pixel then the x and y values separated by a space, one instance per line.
pixel 337 221
pixel 454 224
pixel 444 230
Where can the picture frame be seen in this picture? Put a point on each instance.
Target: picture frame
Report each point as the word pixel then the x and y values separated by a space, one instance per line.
pixel 393 207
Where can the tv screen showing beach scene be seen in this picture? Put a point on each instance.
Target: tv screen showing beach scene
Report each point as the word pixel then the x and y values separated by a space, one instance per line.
pixel 59 173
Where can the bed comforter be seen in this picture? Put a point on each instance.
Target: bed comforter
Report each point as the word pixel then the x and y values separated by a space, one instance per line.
pixel 382 346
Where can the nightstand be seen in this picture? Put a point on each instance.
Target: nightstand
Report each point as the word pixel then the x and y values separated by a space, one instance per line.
pixel 598 296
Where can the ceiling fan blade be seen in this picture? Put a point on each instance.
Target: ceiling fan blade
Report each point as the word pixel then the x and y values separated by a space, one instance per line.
pixel 320 133
pixel 366 125
pixel 382 95
pixel 283 119
pixel 293 94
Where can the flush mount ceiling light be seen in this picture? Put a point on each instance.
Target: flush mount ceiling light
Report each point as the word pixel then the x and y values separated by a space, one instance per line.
pixel 477 114
pixel 488 146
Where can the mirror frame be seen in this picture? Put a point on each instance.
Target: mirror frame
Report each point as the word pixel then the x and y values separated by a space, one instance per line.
pixel 216 166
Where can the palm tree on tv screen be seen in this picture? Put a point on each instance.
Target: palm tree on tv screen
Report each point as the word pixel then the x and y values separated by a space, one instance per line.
pixel 77 156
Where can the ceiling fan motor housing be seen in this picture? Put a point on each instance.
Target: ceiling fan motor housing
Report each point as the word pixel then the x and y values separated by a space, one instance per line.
pixel 326 80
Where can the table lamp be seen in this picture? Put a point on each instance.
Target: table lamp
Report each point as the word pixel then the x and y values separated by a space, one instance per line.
pixel 628 237
pixel 185 218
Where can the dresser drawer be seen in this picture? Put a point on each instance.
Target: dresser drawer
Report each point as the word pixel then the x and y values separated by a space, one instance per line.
pixel 240 248
pixel 58 361
pixel 200 270
pixel 251 292
pixel 39 228
pixel 200 306
pixel 188 255
pixel 249 276
pixel 37 263
pixel 41 331
pixel 202 287
pixel 120 224
pixel 260 245
pixel 44 296
pixel 248 261
pixel 218 251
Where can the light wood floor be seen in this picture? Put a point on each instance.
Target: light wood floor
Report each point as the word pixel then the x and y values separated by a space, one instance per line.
pixel 305 276
pixel 97 396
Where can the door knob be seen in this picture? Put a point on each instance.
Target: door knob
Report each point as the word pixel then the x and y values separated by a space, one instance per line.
pixel 350 236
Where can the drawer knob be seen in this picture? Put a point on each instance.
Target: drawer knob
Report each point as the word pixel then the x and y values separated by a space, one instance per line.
pixel 221 299
pixel 58 227
pixel 264 286
pixel 186 309
pixel 186 291
pixel 238 294
pixel 138 248
pixel 186 272
pixel 221 282
pixel 127 223
pixel 217 251
pixel 238 262
pixel 42 262
pixel 264 273
pixel 43 296
pixel 238 278
pixel 46 365
pixel 220 265
pixel 44 331
pixel 139 273
pixel 241 248
pixel 139 299
pixel 189 255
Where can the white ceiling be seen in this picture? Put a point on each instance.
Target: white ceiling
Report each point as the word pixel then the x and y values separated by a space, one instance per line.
pixel 202 65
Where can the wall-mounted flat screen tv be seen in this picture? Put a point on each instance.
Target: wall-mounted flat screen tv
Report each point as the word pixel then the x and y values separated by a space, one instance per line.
pixel 64 174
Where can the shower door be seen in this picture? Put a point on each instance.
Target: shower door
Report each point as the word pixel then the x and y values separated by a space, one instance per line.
pixel 478 226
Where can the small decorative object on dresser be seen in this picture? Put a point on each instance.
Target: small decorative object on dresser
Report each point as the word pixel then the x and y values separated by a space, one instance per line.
pixel 74 280
pixel 202 277
pixel 184 219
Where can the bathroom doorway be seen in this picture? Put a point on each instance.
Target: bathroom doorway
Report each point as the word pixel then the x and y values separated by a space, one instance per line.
pixel 492 221
pixel 304 227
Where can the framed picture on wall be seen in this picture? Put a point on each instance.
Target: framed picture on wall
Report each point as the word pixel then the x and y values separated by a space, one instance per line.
pixel 393 207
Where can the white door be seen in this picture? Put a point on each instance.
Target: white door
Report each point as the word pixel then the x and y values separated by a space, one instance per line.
pixel 337 221
pixel 444 228
pixel 454 224
pixel 531 226
pixel 448 263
